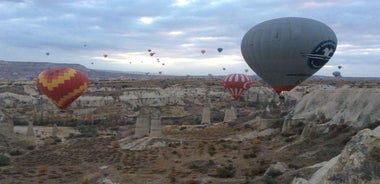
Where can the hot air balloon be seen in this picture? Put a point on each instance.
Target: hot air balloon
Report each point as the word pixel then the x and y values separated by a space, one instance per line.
pixel 149 50
pixel 219 50
pixel 160 72
pixel 62 85
pixel 286 51
pixel 47 53
pixel 151 54
pixel 223 69
pixel 339 67
pixel 105 55
pixel 163 64
pixel 336 74
pixel 203 51
pixel 237 84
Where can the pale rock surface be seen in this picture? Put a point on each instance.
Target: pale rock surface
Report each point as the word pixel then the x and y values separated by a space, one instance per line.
pixel 356 107
pixel 30 130
pixel 359 162
pixel 206 115
pixel 276 169
pixel 230 115
pixel 147 143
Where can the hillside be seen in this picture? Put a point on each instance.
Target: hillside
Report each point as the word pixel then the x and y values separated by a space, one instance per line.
pixel 11 70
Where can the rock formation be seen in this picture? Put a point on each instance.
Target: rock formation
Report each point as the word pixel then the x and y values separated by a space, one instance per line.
pixel 206 115
pixel 341 103
pixel 30 131
pixel 6 124
pixel 359 162
pixel 54 131
pixel 230 115
pixel 142 123
pixel 155 124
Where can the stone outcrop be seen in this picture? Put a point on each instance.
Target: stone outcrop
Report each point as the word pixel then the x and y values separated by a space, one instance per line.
pixel 155 124
pixel 276 169
pixel 206 115
pixel 230 115
pixel 6 124
pixel 357 107
pixel 359 162
pixel 54 131
pixel 30 130
pixel 147 143
pixel 142 123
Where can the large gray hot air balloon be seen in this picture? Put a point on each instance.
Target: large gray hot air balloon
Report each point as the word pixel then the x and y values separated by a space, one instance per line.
pixel 286 51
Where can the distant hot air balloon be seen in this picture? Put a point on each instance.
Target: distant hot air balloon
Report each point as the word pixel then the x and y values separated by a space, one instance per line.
pixel 286 51
pixel 336 74
pixel 158 60
pixel 105 55
pixel 203 51
pixel 160 72
pixel 149 50
pixel 223 69
pixel 219 50
pixel 237 84
pixel 62 85
pixel 151 54
pixel 92 63
pixel 47 53
pixel 163 64
pixel 84 45
pixel 339 67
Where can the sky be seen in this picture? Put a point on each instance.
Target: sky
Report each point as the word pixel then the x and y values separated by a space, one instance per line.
pixel 82 31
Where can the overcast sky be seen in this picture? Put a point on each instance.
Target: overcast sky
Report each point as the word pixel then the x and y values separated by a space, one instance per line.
pixel 82 31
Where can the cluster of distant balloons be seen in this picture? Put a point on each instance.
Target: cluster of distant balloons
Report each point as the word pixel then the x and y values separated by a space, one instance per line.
pixel 283 52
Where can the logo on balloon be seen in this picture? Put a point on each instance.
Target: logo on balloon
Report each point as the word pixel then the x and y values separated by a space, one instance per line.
pixel 321 54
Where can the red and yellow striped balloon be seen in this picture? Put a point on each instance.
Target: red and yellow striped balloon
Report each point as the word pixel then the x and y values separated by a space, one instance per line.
pixel 62 85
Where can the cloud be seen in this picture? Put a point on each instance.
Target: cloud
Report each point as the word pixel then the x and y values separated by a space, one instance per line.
pixel 176 30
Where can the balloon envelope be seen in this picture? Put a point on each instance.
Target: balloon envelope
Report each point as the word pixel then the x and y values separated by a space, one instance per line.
pixel 203 51
pixel 286 51
pixel 336 74
pixel 62 85
pixel 237 84
pixel 220 49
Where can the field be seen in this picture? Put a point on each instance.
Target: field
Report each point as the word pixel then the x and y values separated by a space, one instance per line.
pixel 96 140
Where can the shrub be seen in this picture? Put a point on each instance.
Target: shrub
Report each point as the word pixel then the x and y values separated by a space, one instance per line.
pixel 28 144
pixel 85 181
pixel 115 144
pixel 226 171
pixel 4 160
pixel 87 131
pixel 211 150
pixel 16 152
pixel 42 169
